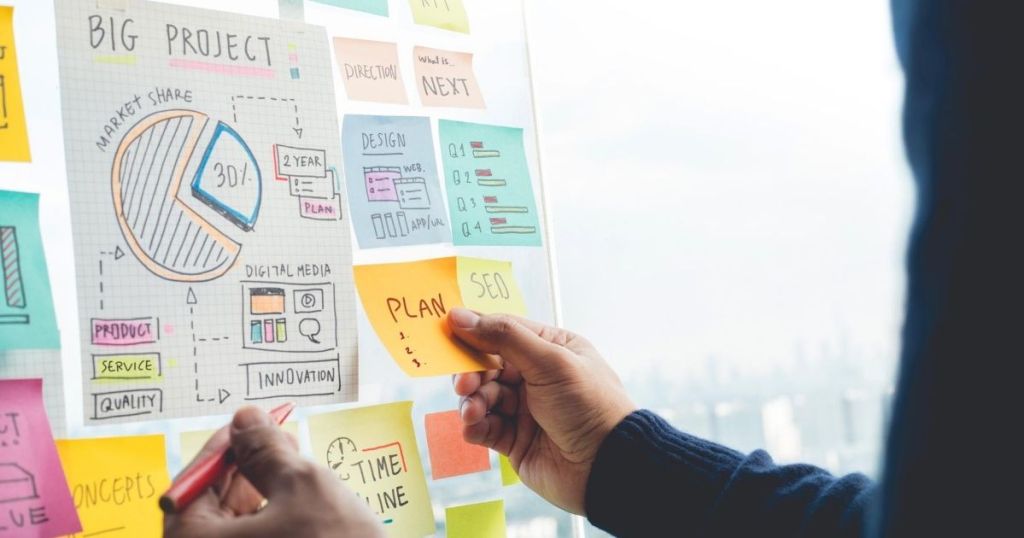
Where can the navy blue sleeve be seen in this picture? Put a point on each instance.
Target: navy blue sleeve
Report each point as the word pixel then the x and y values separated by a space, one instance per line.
pixel 650 479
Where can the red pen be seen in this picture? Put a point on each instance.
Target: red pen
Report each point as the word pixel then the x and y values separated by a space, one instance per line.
pixel 206 472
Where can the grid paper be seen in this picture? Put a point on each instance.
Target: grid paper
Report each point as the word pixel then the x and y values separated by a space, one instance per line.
pixel 181 247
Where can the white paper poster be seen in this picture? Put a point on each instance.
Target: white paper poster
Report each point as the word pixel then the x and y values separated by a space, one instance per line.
pixel 212 251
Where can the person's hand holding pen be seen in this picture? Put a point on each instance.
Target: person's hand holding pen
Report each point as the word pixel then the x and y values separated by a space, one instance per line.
pixel 303 499
pixel 549 409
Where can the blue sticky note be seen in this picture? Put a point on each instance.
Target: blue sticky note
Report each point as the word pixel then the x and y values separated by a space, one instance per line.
pixel 27 320
pixel 376 7
pixel 394 193
pixel 490 193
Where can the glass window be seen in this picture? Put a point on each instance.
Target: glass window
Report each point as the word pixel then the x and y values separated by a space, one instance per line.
pixel 731 204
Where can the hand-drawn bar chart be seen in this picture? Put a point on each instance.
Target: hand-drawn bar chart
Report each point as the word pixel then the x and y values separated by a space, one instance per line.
pixel 13 285
pixel 490 193
pixel 27 319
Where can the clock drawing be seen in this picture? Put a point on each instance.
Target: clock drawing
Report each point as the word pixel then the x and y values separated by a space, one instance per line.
pixel 336 452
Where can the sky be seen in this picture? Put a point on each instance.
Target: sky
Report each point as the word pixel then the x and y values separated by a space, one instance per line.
pixel 726 178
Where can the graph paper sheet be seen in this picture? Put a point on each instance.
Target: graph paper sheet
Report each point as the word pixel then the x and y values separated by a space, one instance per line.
pixel 213 258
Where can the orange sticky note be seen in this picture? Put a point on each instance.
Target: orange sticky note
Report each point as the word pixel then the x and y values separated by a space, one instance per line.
pixel 450 454
pixel 370 70
pixel 408 305
pixel 445 78
pixel 13 130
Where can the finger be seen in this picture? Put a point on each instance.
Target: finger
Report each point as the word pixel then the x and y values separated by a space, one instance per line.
pixel 511 338
pixel 204 510
pixel 207 518
pixel 558 336
pixel 239 496
pixel 510 375
pixel 468 383
pixel 494 432
pixel 491 398
pixel 264 453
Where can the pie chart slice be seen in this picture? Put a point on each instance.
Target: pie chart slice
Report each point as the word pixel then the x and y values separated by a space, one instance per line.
pixel 170 239
pixel 229 179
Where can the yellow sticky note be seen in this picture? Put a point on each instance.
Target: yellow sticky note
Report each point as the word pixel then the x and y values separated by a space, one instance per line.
pixel 482 520
pixel 13 130
pixel 444 14
pixel 116 482
pixel 373 450
pixel 490 287
pixel 192 442
pixel 509 477
pixel 407 304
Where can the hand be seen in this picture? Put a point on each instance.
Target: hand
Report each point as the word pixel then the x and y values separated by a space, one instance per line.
pixel 303 499
pixel 550 407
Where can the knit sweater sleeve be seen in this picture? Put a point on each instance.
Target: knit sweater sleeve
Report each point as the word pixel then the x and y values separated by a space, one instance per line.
pixel 650 479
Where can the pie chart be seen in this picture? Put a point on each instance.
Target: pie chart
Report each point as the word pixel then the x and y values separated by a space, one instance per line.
pixel 168 237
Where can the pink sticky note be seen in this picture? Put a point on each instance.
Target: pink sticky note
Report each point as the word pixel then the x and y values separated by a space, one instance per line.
pixel 370 70
pixel 446 79
pixel 450 455
pixel 33 491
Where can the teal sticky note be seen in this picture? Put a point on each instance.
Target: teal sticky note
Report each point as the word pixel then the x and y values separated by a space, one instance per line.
pixel 490 193
pixel 27 319
pixel 376 7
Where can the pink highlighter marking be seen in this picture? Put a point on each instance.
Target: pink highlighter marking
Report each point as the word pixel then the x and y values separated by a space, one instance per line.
pixel 231 70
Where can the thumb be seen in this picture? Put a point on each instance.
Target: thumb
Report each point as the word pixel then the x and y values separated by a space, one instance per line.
pixel 263 452
pixel 518 342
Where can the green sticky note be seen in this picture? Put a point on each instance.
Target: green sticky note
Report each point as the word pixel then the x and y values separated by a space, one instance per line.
pixel 27 320
pixel 490 192
pixel 376 7
pixel 483 520
pixel 509 477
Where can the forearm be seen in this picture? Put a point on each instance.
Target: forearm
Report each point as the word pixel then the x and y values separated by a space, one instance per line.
pixel 650 477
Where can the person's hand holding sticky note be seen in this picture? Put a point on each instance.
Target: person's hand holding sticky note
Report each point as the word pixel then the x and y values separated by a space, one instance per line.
pixel 407 304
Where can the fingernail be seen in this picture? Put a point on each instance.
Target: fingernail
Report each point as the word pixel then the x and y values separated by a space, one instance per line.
pixel 464 318
pixel 249 417
pixel 462 408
